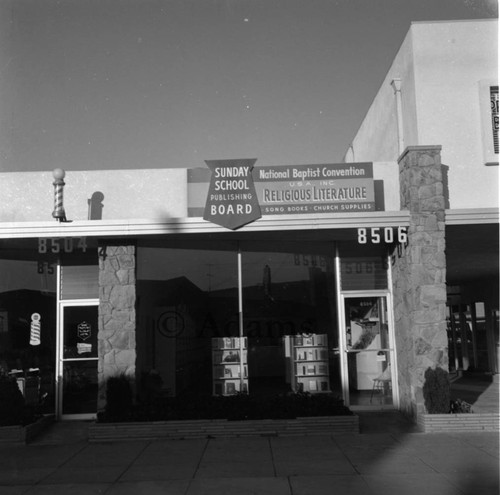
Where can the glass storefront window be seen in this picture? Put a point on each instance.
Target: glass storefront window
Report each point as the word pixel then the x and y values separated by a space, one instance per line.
pixel 289 317
pixel 468 338
pixel 186 297
pixel 80 281
pixel 28 322
pixel 192 338
pixel 363 273
pixel 79 387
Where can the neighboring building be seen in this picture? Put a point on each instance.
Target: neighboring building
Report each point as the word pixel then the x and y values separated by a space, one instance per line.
pixel 442 89
pixel 232 277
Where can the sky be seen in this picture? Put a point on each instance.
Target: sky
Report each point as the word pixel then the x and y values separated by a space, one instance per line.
pixel 121 84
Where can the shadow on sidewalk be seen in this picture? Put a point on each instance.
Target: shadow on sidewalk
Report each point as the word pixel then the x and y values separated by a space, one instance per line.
pixel 385 422
pixel 63 432
pixel 478 389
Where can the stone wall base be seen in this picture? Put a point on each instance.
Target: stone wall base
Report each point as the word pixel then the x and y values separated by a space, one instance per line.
pixel 455 423
pixel 25 434
pixel 103 432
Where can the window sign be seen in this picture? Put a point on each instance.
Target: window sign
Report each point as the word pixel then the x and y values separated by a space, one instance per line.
pixel 80 332
pixel 84 330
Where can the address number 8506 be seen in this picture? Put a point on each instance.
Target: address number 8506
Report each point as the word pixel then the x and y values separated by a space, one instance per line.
pixel 387 235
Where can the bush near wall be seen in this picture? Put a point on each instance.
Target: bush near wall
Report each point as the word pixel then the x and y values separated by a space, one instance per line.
pixel 13 409
pixel 11 402
pixel 119 398
pixel 436 391
pixel 234 408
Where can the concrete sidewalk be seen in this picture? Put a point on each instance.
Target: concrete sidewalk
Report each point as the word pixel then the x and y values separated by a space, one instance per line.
pixel 387 457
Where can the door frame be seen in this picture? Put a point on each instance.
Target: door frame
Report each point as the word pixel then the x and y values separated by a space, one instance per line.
pixel 343 296
pixel 60 357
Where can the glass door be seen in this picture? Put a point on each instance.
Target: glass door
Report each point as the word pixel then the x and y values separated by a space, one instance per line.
pixel 77 363
pixel 369 376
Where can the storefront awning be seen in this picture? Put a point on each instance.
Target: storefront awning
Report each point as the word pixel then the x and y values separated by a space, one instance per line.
pixel 141 227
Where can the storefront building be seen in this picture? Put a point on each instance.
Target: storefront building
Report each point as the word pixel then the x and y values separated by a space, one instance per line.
pixel 350 278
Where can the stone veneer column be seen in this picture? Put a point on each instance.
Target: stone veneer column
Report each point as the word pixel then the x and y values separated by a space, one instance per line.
pixel 419 276
pixel 116 338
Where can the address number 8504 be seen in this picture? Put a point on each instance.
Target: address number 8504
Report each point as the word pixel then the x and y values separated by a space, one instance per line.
pixel 387 235
pixel 56 245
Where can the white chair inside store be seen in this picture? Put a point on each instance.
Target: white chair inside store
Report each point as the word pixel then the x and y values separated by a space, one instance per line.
pixel 382 382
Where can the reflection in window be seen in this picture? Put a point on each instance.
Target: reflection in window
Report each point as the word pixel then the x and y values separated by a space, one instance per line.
pixel 28 326
pixel 79 387
pixel 368 357
pixel 188 314
pixel 365 273
pixel 186 297
pixel 287 291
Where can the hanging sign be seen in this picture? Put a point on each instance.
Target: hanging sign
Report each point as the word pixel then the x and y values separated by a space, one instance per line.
pixel 84 330
pixel 231 200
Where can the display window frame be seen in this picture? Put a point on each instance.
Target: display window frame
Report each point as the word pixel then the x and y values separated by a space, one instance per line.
pixel 390 349
pixel 240 246
pixel 342 297
pixel 63 361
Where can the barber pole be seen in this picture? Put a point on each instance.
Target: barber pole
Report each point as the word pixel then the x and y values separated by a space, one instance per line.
pixel 58 212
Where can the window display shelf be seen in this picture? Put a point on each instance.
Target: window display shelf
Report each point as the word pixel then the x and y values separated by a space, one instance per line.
pixel 307 362
pixel 229 356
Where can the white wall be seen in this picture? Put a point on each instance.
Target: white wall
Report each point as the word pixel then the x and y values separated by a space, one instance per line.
pixel 377 137
pixel 389 173
pixel 128 194
pixel 152 194
pixel 450 60
pixel 440 65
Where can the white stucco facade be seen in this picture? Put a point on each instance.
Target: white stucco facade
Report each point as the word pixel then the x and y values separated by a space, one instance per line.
pixel 149 194
pixel 441 66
